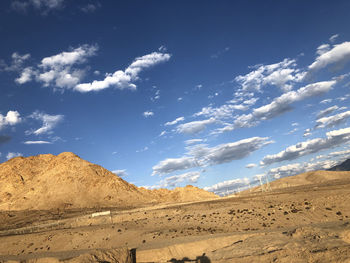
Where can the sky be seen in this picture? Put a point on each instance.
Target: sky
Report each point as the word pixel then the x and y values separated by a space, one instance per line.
pixel 216 94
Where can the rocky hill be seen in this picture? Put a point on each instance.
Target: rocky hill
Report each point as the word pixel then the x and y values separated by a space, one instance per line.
pixel 344 166
pixel 67 181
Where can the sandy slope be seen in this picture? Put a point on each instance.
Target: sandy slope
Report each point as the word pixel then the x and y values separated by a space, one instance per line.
pixel 66 181
pixel 308 178
pixel 307 223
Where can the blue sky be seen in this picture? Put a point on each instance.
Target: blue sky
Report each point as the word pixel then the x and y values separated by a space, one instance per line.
pixel 168 93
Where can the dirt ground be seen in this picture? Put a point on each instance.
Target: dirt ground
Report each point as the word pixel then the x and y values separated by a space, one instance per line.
pixel 308 223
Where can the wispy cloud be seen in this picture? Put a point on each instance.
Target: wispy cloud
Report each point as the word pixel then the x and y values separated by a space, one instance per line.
pixel 333 139
pixel 49 122
pixel 177 120
pixel 333 120
pixel 175 180
pixel 194 127
pixel 37 142
pixel 201 155
pixel 43 6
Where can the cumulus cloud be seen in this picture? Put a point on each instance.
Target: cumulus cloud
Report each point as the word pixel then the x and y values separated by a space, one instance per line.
pixel 26 75
pixel 201 155
pixel 11 155
pixel 281 75
pixel 327 111
pixel 177 120
pixel 37 142
pixel 333 139
pixel 124 79
pixel 194 127
pixel 333 120
pixel 147 114
pixel 61 70
pixel 337 55
pixel 10 119
pixel 49 122
pixel 120 173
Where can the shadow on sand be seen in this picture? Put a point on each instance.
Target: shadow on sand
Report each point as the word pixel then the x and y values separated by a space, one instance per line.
pixel 200 259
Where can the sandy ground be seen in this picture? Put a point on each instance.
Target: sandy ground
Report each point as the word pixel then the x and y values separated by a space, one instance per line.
pixel 297 224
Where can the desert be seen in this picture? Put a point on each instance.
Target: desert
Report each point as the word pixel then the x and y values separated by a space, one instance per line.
pixel 304 218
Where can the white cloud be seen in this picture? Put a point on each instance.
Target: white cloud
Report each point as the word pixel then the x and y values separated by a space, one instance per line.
pixel 228 187
pixel 250 165
pixel 120 173
pixel 326 101
pixel 49 122
pixel 147 114
pixel 156 96
pixel 11 118
pixel 194 126
pixel 179 119
pixel 11 155
pixel 223 112
pixel 333 139
pixel 333 38
pixel 201 155
pixel 162 49
pixel 278 106
pixel 339 55
pixel 333 120
pixel 142 150
pixel 26 76
pixel 124 79
pixel 327 111
pixel 17 62
pixel 297 168
pixel 220 52
pixel 90 8
pixel 59 70
pixel 175 180
pixel 281 75
pixel 162 133
pixel 44 6
pixel 37 142
pixel 323 49
pixel 307 133
pixel 174 164
pixel 193 141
